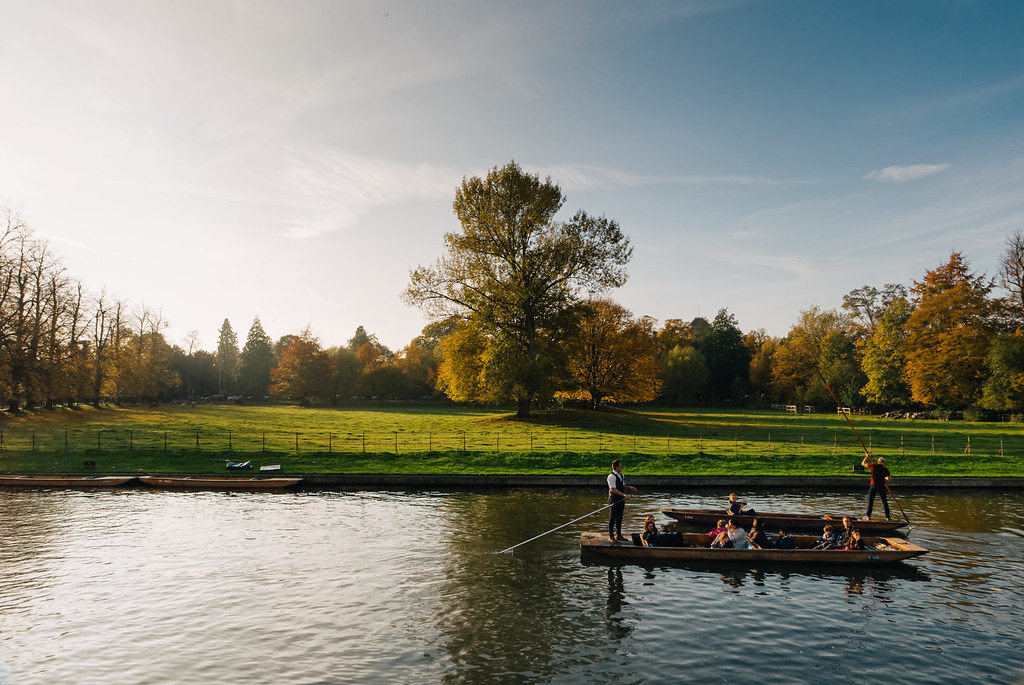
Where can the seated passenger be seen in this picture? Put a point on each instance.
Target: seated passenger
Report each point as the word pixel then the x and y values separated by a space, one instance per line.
pixel 783 541
pixel 651 533
pixel 736 535
pixel 844 533
pixel 856 541
pixel 717 530
pixel 736 507
pixel 757 537
pixel 828 540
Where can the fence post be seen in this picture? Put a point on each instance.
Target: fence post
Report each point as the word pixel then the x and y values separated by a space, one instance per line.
pixel 396 443
pixel 229 441
pixel 99 434
pixel 330 442
pixel 364 442
pixel 296 442
pixel 33 441
pixel 66 441
pixel 264 441
pixel 165 441
pixel 131 440
pixel 769 443
pixel 933 444
pixel 967 450
pixel 197 441
pixel 1000 445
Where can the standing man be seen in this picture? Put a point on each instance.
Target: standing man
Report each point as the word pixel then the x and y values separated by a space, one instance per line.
pixel 880 478
pixel 617 498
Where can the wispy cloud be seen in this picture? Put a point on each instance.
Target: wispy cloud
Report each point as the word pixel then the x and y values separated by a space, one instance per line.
pixel 584 178
pixel 904 173
pixel 334 190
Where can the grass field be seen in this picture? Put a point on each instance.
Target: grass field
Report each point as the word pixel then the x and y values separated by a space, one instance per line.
pixel 423 437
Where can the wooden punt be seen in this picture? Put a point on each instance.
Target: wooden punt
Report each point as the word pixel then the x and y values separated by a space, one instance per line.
pixel 218 482
pixel 705 519
pixel 64 481
pixel 696 547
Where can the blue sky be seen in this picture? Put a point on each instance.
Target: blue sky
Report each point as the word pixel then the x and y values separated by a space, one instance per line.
pixel 293 160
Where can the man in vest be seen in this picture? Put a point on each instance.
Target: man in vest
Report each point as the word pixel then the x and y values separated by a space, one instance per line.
pixel 617 498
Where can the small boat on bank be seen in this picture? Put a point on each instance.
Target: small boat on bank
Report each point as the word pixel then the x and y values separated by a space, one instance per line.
pixel 696 548
pixel 218 482
pixel 705 519
pixel 52 481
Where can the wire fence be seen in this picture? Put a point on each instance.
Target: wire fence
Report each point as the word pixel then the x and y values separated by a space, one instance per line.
pixel 879 443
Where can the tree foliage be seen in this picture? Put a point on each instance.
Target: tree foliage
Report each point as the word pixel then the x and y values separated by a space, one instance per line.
pixel 612 358
pixel 303 371
pixel 517 275
pixel 255 362
pixel 948 336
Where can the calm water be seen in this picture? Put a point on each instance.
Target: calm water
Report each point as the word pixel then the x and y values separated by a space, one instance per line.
pixel 140 586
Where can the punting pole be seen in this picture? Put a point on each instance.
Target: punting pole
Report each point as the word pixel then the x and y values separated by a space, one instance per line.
pixel 557 528
pixel 867 453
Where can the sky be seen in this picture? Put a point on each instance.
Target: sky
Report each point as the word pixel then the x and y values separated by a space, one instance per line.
pixel 293 161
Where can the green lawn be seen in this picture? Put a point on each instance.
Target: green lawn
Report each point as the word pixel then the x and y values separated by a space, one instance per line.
pixel 425 437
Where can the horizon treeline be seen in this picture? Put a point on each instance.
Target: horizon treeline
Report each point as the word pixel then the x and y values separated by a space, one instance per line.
pixel 946 344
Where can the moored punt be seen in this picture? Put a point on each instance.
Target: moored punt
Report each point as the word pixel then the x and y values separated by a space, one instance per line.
pixel 705 519
pixel 696 547
pixel 64 481
pixel 218 482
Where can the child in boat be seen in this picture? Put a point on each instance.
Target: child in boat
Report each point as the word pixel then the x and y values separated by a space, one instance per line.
pixel 828 540
pixel 733 536
pixel 856 542
pixel 783 541
pixel 717 530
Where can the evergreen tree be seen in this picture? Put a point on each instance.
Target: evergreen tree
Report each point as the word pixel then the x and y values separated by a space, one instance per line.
pixel 255 362
pixel 227 357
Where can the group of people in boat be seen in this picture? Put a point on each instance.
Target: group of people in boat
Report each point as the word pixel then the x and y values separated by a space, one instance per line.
pixel 729 534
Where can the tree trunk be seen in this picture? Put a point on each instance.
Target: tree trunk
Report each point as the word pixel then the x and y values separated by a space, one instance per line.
pixel 524 408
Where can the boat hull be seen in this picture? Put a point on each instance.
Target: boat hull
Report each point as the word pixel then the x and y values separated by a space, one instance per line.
pixel 64 481
pixel 696 548
pixel 217 483
pixel 705 519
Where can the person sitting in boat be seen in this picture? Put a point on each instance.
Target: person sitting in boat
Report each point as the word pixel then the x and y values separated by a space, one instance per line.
pixel 651 534
pixel 844 534
pixel 856 542
pixel 717 530
pixel 734 537
pixel 736 507
pixel 828 540
pixel 783 541
pixel 756 536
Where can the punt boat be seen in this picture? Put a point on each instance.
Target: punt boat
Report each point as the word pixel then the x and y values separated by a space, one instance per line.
pixel 218 482
pixel 705 519
pixel 52 481
pixel 696 547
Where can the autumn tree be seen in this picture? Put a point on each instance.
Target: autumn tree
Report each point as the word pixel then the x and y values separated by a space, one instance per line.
pixel 612 356
pixel 868 303
pixel 762 349
pixel 884 357
pixel 685 374
pixel 303 371
pixel 948 336
pixel 516 275
pixel 798 359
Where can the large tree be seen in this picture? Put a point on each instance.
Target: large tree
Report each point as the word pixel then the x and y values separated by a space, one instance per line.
pixel 517 275
pixel 948 336
pixel 303 370
pixel 256 362
pixel 797 363
pixel 727 356
pixel 227 356
pixel 613 356
pixel 884 357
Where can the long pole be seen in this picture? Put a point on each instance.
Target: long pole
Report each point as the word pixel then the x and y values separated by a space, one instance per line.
pixel 893 495
pixel 557 528
pixel 867 453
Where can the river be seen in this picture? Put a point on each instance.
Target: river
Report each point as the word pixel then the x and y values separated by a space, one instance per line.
pixel 142 586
